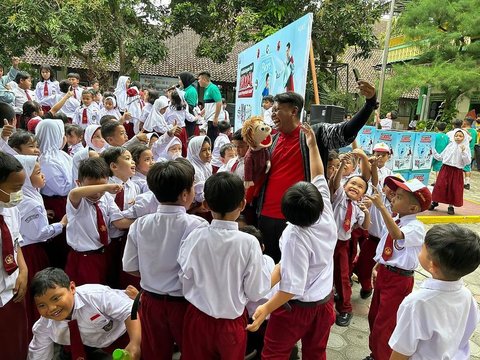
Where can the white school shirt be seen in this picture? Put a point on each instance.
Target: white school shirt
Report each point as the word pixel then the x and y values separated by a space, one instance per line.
pixel 307 253
pixel 340 211
pixel 141 181
pixel 377 225
pixel 181 116
pixel 131 191
pixel 101 313
pixel 267 268
pixel 145 203
pixel 386 124
pixel 34 225
pixel 240 169
pixel 53 88
pixel 11 216
pixel 77 93
pixel 221 140
pixel 436 322
pixel 405 251
pixel 69 108
pixel 82 231
pixel 73 149
pixel 20 97
pixel 267 118
pixel 113 112
pixel 147 109
pixel 152 248
pixel 204 258
pixel 93 115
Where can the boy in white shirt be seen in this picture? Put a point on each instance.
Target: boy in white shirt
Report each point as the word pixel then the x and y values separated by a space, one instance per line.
pixel 227 153
pixel 396 257
pixel 21 87
pixel 221 270
pixel 89 112
pixel 382 153
pixel 437 321
pixel 303 307
pixel 222 139
pixel 87 318
pixel 151 252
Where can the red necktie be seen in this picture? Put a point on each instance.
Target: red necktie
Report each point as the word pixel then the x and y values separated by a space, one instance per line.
pixel 84 116
pixel 235 165
pixel 28 95
pixel 7 248
pixel 102 228
pixel 348 216
pixel 74 93
pixel 76 344
pixel 45 89
pixel 388 248
pixel 120 199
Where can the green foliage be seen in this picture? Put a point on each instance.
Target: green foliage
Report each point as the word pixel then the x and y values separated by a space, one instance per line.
pixel 95 31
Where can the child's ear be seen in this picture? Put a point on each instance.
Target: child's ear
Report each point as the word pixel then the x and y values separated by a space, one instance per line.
pixel 78 183
pixel 113 166
pixel 72 287
pixel 205 205
pixel 242 205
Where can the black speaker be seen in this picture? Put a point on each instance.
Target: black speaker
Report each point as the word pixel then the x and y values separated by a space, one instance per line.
pixel 326 113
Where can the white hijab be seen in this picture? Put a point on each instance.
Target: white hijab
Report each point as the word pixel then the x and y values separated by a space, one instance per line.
pixel 89 131
pixel 28 162
pixel 161 153
pixel 452 154
pixel 202 170
pixel 121 93
pixel 155 120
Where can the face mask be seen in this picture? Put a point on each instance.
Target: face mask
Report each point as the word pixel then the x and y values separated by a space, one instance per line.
pixel 174 154
pixel 15 199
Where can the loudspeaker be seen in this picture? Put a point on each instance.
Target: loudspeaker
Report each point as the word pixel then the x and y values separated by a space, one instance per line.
pixel 326 113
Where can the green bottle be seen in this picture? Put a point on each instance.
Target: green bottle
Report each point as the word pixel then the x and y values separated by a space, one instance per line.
pixel 120 354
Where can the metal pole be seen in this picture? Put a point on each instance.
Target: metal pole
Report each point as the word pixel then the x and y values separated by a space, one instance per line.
pixel 314 75
pixel 385 55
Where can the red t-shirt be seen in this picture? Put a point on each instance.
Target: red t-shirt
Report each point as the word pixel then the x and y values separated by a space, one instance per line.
pixel 286 170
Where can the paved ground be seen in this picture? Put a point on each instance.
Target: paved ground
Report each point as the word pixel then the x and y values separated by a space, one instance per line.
pixel 352 343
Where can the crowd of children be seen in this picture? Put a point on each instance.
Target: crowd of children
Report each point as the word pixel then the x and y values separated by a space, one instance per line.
pixel 122 190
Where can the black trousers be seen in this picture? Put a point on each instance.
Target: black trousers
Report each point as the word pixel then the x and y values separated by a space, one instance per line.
pixel 212 132
pixel 272 231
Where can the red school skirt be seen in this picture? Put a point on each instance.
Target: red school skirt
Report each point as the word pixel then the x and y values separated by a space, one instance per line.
pixel 449 186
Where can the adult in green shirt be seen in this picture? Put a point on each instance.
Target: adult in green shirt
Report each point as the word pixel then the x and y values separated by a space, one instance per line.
pixel 212 99
pixel 467 125
pixel 187 82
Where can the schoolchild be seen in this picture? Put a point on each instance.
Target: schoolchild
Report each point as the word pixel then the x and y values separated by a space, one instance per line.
pixel 348 211
pixel 74 81
pixel 143 157
pixel 423 331
pixel 151 252
pixel 47 86
pixel 13 270
pixel 89 112
pixel 90 320
pixel 396 257
pixel 227 153
pixel 302 309
pixel 224 129
pixel 218 297
pixel 90 213
pixel 74 135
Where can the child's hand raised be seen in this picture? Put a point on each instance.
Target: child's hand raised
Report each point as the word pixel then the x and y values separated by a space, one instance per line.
pixel 376 199
pixel 8 129
pixel 113 188
pixel 309 135
pixel 363 207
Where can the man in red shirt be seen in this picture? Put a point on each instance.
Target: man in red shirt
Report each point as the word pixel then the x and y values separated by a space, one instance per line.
pixel 289 156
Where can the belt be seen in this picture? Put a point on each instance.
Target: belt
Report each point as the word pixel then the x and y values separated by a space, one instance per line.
pixel 164 296
pixel 92 252
pixel 399 271
pixel 306 304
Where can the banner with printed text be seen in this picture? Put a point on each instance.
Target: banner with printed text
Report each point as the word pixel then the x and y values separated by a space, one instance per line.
pixel 276 64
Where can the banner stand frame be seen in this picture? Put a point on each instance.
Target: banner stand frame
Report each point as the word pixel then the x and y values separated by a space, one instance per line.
pixel 314 75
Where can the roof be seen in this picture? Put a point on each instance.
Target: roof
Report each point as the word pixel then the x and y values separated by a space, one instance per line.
pixel 181 57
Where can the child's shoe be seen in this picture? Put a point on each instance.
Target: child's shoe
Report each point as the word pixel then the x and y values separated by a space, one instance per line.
pixel 343 319
pixel 450 210
pixel 433 205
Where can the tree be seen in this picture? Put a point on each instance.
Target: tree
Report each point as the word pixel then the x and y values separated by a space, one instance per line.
pixel 448 34
pixel 95 31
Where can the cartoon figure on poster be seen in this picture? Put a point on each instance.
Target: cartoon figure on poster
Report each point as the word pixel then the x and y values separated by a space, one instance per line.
pixel 276 64
pixel 403 150
pixel 423 151
pixel 365 139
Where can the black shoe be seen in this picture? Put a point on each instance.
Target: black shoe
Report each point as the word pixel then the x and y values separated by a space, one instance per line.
pixel 433 205
pixel 432 184
pixel 369 358
pixel 451 210
pixel 343 319
pixel 336 297
pixel 466 186
pixel 251 356
pixel 365 294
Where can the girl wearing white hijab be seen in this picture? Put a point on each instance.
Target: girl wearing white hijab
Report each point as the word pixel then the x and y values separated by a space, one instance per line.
pixel 110 108
pixel 121 92
pixel 449 184
pixel 199 154
pixel 34 226
pixel 57 167
pixel 134 107
pixel 155 120
pixel 168 149
pixel 95 144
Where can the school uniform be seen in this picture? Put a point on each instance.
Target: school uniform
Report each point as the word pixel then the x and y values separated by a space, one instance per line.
pixel 87 235
pixel 217 297
pixel 221 140
pixel 77 93
pixel 13 317
pixel 44 89
pixel 306 272
pixel 87 115
pixel 347 214
pixel 145 203
pixel 424 331
pixel 113 112
pixel 21 97
pixel 56 165
pixel 236 166
pixel 69 108
pixel 124 199
pixel 141 181
pixel 161 146
pixel 394 282
pixel 100 313
pixel 365 261
pixel 173 115
pixel 202 170
pixel 147 109
pixel 73 149
pixel 152 249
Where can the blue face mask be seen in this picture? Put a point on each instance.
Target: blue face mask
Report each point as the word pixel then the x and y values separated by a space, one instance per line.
pixel 15 199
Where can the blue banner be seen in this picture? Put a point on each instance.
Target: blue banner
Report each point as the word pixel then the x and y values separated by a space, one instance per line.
pixel 276 64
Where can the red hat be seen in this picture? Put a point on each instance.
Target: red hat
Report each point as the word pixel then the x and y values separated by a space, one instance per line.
pixel 414 186
pixel 32 124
